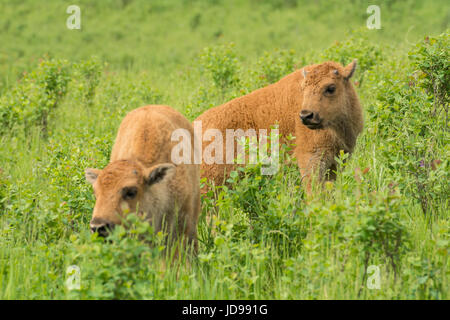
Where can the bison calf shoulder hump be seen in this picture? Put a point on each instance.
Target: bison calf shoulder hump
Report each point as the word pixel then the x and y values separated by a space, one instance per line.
pixel 141 178
pixel 317 104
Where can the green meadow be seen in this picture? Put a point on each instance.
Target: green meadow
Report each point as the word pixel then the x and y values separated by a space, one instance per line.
pixel 380 231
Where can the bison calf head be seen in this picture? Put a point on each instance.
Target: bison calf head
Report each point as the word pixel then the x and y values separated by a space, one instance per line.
pixel 327 94
pixel 125 187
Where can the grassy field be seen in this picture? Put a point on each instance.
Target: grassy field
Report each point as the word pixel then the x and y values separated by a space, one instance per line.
pixel 64 92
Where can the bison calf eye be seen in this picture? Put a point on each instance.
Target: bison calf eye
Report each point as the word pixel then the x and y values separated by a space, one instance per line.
pixel 330 89
pixel 129 193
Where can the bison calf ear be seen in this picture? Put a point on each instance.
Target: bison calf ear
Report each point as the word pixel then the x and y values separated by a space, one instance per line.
pixel 158 173
pixel 350 70
pixel 91 175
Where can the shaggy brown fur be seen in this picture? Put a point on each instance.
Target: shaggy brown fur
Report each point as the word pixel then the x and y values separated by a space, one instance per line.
pixel 336 122
pixel 140 176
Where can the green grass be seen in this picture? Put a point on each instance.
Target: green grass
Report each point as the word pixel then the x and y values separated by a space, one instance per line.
pixel 262 238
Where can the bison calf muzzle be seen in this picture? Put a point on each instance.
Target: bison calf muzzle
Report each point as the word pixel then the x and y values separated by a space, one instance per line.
pixel 102 227
pixel 310 119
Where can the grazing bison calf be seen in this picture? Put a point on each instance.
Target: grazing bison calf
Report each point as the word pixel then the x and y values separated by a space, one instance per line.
pixel 317 104
pixel 140 177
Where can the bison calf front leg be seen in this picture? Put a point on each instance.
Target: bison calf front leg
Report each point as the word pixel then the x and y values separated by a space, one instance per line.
pixel 318 166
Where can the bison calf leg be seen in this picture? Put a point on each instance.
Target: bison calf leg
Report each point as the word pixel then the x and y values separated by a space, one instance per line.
pixel 319 166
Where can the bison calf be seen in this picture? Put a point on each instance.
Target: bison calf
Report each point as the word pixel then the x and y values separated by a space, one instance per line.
pixel 141 179
pixel 317 104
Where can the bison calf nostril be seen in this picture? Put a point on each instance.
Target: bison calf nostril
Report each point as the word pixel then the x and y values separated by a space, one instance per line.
pixel 102 230
pixel 305 114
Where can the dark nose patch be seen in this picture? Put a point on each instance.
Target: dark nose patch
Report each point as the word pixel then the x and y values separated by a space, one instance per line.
pixel 101 226
pixel 306 115
pixel 311 119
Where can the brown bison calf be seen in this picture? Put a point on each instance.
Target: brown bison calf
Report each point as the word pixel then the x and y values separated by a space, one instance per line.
pixel 140 177
pixel 317 104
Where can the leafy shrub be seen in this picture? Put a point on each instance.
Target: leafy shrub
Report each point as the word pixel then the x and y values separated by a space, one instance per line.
pixel 357 47
pixel 118 95
pixel 415 146
pixel 87 75
pixel 272 67
pixel 371 227
pixel 432 58
pixel 31 101
pixel 64 169
pixel 267 205
pixel 221 63
pixel 202 99
pixel 238 266
pixel 426 277
pixel 380 230
pixel 120 267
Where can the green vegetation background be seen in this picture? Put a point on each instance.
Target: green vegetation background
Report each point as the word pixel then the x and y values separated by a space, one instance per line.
pixel 64 92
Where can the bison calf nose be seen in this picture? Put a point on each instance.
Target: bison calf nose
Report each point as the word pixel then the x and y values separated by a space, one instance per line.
pixel 101 227
pixel 310 119
pixel 306 115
